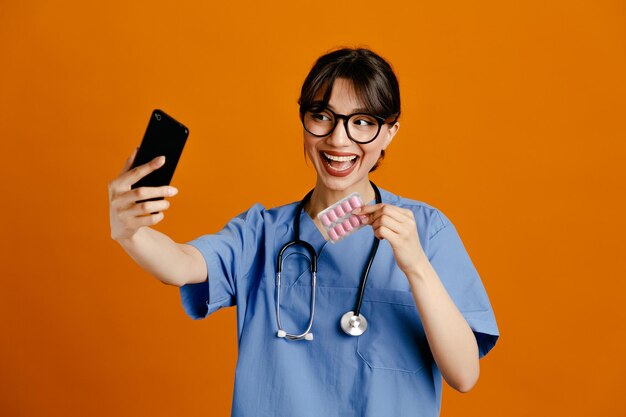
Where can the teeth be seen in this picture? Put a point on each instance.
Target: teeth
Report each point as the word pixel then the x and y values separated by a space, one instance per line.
pixel 340 158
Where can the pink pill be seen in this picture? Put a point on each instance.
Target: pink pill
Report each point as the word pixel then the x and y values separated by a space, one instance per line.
pixel 354 221
pixel 346 206
pixel 355 202
pixel 346 225
pixel 332 234
pixel 339 211
pixel 332 216
pixel 339 230
pixel 325 220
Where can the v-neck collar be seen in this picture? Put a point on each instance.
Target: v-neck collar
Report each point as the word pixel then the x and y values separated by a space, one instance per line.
pixel 310 233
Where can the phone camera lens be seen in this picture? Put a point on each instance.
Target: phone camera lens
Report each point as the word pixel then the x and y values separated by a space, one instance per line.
pixel 157 116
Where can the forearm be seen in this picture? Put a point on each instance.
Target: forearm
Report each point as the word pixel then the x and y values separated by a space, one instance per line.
pixel 163 258
pixel 450 338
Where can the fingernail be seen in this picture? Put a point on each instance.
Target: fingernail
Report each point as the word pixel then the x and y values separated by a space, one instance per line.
pixel 172 191
pixel 356 210
pixel 160 159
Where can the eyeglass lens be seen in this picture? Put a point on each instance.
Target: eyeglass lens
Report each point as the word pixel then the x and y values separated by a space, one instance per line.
pixel 361 127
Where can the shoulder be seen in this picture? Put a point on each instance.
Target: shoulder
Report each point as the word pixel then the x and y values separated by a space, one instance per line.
pixel 257 213
pixel 281 214
pixel 426 216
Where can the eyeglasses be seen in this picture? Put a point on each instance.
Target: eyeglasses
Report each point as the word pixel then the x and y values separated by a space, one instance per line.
pixel 360 127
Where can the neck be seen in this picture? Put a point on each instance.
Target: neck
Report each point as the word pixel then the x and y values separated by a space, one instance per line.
pixel 323 197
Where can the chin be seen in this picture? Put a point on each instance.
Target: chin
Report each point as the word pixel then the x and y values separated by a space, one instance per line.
pixel 340 183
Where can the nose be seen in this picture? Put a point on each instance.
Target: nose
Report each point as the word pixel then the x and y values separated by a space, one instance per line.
pixel 339 136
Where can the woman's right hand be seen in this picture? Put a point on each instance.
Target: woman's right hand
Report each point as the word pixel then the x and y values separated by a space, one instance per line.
pixel 127 216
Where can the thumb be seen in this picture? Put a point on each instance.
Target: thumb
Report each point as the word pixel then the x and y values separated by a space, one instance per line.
pixel 129 161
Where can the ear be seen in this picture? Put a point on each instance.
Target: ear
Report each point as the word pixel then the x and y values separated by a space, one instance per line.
pixel 391 132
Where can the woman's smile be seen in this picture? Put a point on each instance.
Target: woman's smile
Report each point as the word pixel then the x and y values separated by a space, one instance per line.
pixel 339 164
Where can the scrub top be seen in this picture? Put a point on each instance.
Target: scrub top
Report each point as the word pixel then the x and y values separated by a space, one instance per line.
pixel 387 371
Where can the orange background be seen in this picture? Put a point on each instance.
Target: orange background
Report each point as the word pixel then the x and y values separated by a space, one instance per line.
pixel 513 125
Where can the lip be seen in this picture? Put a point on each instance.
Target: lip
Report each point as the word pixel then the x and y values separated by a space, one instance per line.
pixel 335 153
pixel 331 171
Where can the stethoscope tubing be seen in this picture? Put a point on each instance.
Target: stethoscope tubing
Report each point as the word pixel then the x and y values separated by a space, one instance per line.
pixel 313 268
pixel 359 302
pixel 354 330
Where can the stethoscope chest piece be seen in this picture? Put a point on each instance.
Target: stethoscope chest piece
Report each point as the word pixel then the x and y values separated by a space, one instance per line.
pixel 353 325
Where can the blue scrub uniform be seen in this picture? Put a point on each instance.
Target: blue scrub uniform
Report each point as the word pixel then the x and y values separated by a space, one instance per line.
pixel 388 371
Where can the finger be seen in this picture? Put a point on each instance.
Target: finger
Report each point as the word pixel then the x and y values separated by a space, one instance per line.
pixel 384 233
pixel 149 220
pixel 148 207
pixel 381 208
pixel 368 209
pixel 389 223
pixel 407 213
pixel 387 210
pixel 129 161
pixel 130 177
pixel 127 178
pixel 128 198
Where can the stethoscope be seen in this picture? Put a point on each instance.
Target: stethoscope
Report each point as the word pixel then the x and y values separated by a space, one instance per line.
pixel 353 322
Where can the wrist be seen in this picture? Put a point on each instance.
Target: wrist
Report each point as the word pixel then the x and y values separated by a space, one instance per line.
pixel 420 270
pixel 131 240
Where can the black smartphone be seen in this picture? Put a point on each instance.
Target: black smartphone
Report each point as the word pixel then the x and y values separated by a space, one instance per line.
pixel 164 136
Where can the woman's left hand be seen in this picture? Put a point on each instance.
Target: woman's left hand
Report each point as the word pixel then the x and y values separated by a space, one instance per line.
pixel 396 225
pixel 449 336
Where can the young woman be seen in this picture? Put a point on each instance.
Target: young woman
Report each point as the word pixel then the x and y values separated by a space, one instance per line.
pixel 390 309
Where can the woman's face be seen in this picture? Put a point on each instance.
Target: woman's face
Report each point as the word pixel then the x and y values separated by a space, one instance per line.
pixel 342 164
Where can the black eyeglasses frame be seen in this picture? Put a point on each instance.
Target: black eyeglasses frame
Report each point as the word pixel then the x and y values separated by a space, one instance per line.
pixel 381 121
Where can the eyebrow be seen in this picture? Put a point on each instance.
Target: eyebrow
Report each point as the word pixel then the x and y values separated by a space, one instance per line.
pixel 357 110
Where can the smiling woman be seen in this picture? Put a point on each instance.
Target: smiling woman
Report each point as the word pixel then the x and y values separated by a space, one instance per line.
pixel 421 311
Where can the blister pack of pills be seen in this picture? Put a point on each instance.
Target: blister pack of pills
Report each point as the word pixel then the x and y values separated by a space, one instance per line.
pixel 338 220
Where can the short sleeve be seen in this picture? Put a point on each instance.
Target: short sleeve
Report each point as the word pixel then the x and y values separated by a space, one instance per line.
pixel 229 255
pixel 458 275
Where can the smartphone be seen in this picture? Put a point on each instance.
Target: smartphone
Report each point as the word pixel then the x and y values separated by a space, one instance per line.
pixel 164 136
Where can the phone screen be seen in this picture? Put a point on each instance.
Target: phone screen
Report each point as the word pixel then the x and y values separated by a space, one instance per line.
pixel 164 136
